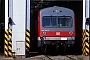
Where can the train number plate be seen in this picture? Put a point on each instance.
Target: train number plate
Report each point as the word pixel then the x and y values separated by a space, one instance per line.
pixel 57 33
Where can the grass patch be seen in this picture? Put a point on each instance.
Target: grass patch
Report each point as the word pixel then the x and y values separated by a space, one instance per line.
pixel 14 57
pixel 79 58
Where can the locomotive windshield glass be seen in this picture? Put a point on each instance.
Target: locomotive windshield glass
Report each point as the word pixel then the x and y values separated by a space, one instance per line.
pixel 64 22
pixel 49 22
pixel 53 21
pixel 46 22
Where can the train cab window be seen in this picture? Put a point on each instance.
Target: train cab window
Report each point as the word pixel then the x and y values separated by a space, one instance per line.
pixel 46 22
pixel 56 22
pixel 64 22
pixel 49 21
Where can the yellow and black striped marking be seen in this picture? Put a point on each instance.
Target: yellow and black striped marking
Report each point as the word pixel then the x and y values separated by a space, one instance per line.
pixel 27 41
pixel 87 43
pixel 87 33
pixel 10 48
pixel 10 44
pixel 83 42
pixel 6 43
pixel 86 48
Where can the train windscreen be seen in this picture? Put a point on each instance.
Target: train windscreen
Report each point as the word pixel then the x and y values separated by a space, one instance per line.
pixel 65 22
pixel 56 22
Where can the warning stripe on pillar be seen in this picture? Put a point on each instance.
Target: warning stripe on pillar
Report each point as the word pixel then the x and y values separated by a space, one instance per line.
pixel 10 44
pixel 10 49
pixel 87 33
pixel 83 42
pixel 27 41
pixel 86 48
pixel 6 43
pixel 10 33
pixel 87 43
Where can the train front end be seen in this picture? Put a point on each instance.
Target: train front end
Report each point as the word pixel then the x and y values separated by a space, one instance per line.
pixel 56 26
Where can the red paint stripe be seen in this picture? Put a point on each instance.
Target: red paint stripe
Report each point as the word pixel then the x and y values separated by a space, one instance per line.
pixel 39 23
pixel 54 34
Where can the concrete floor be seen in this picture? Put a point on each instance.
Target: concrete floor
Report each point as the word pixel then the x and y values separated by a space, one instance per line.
pixel 43 57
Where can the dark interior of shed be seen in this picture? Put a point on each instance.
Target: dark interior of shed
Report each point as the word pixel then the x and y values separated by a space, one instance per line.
pixel 2 26
pixel 76 6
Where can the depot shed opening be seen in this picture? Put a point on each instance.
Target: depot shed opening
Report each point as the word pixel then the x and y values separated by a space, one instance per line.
pixel 76 6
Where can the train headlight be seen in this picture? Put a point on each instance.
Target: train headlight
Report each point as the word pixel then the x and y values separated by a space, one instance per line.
pixel 44 33
pixel 70 32
pixel 57 11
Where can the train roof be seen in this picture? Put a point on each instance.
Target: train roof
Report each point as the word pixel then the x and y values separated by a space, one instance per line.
pixel 56 7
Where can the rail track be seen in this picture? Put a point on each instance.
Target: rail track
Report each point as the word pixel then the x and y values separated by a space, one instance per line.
pixel 53 55
pixel 59 57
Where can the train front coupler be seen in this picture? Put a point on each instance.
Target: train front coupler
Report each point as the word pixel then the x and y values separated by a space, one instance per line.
pixel 67 43
pixel 57 45
pixel 43 45
pixel 70 43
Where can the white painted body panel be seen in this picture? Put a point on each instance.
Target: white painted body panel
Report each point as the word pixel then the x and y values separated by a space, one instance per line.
pixel 57 38
pixel 87 8
pixel 6 14
pixel 19 20
pixel 86 11
pixel 84 20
